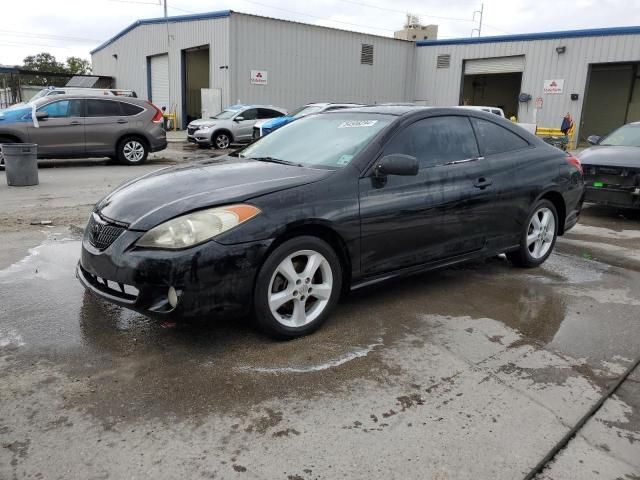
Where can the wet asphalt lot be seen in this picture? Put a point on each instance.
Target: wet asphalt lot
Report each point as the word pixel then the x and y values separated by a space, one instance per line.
pixel 470 372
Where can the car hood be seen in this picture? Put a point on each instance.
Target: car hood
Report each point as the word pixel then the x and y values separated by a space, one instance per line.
pixel 611 156
pixel 277 122
pixel 206 122
pixel 147 201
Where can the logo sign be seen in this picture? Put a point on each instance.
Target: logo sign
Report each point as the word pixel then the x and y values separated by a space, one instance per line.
pixel 539 102
pixel 553 86
pixel 259 77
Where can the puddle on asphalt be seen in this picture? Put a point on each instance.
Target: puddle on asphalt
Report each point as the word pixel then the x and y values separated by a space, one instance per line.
pixel 226 363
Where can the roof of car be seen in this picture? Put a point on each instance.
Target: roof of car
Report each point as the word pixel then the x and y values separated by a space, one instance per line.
pixel 387 109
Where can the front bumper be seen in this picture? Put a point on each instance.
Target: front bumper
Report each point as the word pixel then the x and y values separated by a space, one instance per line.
pixel 209 278
pixel 614 197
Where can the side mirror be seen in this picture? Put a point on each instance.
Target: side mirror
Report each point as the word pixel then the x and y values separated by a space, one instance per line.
pixel 239 119
pixel 396 164
pixel 593 139
pixel 42 115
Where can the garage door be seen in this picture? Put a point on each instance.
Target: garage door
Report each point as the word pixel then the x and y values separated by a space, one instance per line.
pixel 494 65
pixel 160 80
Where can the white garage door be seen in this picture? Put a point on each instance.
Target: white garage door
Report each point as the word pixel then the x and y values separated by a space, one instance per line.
pixel 160 81
pixel 494 65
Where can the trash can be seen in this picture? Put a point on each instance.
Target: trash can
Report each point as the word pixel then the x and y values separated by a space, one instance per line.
pixel 21 163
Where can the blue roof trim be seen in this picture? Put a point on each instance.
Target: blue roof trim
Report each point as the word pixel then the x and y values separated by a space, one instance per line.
pixel 592 32
pixel 151 21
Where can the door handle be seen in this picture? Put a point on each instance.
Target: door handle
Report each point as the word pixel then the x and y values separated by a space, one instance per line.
pixel 75 122
pixel 122 121
pixel 482 183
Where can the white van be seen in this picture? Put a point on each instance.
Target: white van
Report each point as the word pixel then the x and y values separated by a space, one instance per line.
pixel 494 110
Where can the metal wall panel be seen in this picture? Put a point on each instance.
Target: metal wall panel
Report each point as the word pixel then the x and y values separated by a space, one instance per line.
pixel 129 68
pixel 307 63
pixel 442 86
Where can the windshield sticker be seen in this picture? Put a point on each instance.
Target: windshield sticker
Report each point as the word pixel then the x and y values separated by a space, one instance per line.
pixel 358 124
pixel 344 159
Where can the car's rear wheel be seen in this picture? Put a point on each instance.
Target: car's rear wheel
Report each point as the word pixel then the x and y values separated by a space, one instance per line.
pixel 538 237
pixel 132 151
pixel 221 140
pixel 297 287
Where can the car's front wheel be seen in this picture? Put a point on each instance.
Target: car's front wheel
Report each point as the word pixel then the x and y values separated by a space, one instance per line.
pixel 132 151
pixel 221 140
pixel 297 287
pixel 538 237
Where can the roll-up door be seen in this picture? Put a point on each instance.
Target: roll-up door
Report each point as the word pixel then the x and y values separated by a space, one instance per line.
pixel 494 65
pixel 160 80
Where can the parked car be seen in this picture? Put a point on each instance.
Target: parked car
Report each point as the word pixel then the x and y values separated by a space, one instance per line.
pixel 63 126
pixel 494 110
pixel 80 91
pixel 232 125
pixel 267 126
pixel 612 168
pixel 331 202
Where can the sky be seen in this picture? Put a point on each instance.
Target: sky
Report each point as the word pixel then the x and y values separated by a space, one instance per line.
pixel 74 27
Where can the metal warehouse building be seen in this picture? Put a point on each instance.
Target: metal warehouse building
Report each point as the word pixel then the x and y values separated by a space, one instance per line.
pixel 198 64
pixel 250 59
pixel 592 74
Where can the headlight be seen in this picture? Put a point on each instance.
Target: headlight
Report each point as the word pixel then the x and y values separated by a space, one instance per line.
pixel 196 227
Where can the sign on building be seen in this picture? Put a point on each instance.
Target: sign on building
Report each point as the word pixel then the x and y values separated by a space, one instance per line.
pixel 553 86
pixel 259 77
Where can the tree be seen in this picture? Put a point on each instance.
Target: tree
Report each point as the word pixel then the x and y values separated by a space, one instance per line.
pixel 78 66
pixel 43 62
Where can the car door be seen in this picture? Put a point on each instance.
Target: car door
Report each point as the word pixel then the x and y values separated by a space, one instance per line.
pixel 243 130
pixel 104 125
pixel 517 175
pixel 439 213
pixel 61 133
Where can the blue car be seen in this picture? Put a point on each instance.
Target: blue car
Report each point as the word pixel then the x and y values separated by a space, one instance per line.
pixel 260 129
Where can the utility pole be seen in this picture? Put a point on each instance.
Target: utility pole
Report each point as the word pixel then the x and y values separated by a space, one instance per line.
pixel 165 8
pixel 480 12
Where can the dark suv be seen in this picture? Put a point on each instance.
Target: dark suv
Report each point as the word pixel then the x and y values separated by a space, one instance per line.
pixel 124 129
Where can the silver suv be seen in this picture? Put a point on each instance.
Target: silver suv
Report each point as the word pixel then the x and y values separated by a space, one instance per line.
pixel 122 128
pixel 233 125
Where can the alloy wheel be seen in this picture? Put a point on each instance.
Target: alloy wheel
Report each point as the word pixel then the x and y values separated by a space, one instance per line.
pixel 133 151
pixel 222 141
pixel 300 288
pixel 541 232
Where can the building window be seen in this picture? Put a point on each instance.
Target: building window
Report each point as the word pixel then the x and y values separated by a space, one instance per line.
pixel 366 54
pixel 443 61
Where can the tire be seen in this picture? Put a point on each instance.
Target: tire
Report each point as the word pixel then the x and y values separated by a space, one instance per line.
pixel 132 151
pixel 289 301
pixel 221 140
pixel 538 236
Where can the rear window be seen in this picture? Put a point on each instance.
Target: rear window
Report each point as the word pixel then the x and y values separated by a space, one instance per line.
pixel 103 108
pixel 129 109
pixel 494 139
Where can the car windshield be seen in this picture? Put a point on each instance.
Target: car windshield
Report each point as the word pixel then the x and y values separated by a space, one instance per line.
pixel 304 111
pixel 324 141
pixel 40 94
pixel 627 136
pixel 225 114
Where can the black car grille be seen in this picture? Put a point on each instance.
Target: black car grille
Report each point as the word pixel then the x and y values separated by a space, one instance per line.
pixel 101 234
pixel 191 131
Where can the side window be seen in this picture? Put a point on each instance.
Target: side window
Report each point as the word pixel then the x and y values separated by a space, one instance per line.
pixel 103 108
pixel 251 114
pixel 58 109
pixel 75 108
pixel 129 109
pixel 436 141
pixel 494 139
pixel 268 113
